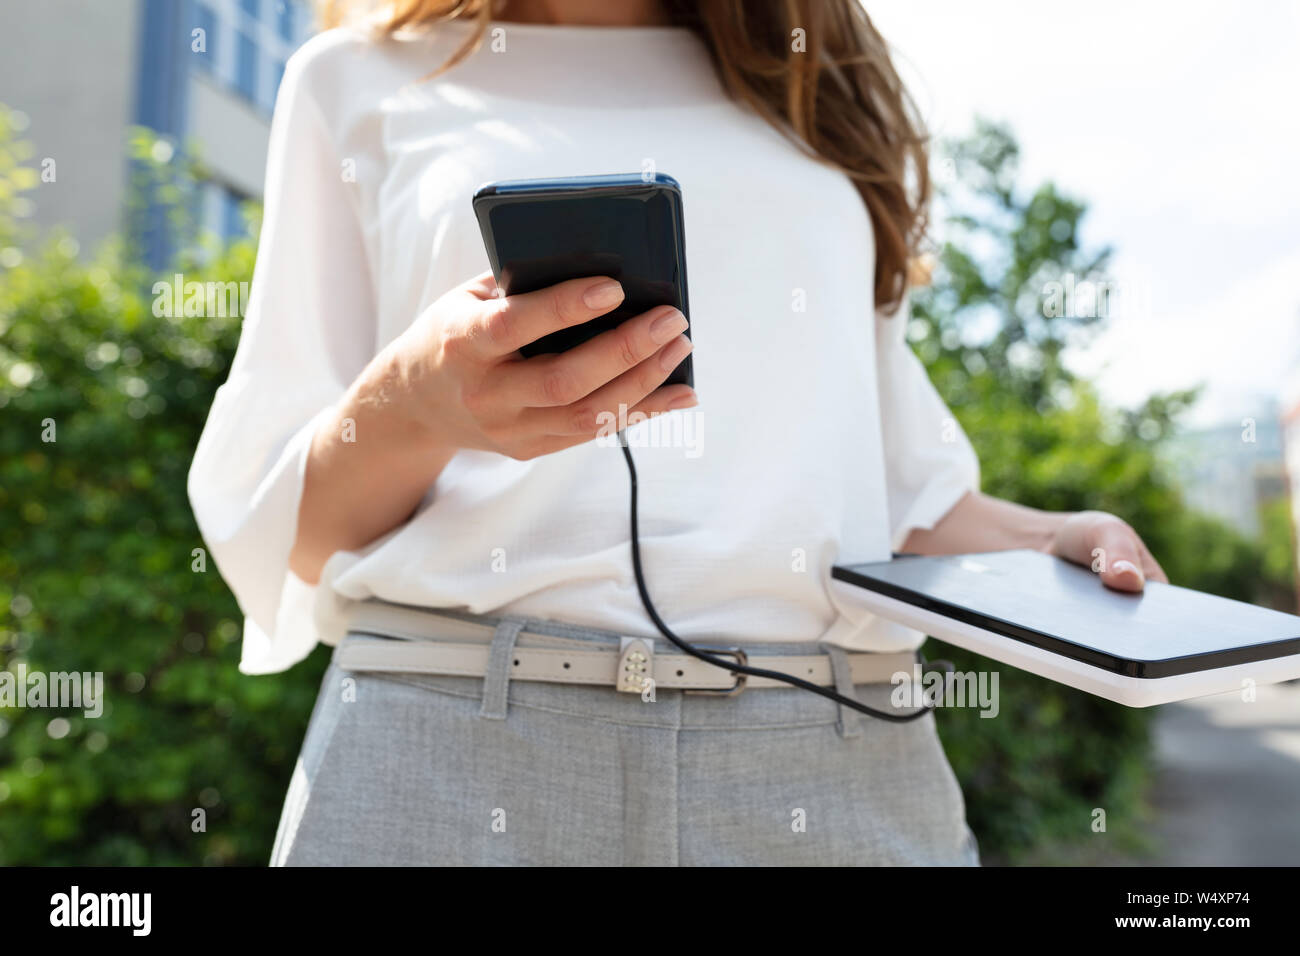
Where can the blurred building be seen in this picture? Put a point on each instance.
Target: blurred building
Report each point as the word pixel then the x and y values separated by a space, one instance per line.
pixel 1233 470
pixel 1290 418
pixel 201 72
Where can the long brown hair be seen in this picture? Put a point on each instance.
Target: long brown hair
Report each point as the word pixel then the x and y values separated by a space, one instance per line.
pixel 816 69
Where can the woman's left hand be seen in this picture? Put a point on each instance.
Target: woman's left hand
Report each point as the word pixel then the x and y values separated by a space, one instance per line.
pixel 1106 544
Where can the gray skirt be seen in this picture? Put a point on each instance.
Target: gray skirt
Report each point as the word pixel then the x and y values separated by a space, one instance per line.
pixel 415 769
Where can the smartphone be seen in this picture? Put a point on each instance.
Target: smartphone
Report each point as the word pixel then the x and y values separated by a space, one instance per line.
pixel 629 227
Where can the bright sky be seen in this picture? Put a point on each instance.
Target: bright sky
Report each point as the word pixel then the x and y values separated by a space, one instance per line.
pixel 1179 124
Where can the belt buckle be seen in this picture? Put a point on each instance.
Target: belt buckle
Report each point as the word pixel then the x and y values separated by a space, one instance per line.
pixel 741 658
pixel 635 665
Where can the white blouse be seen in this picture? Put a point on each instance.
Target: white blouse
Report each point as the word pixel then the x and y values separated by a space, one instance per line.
pixel 818 437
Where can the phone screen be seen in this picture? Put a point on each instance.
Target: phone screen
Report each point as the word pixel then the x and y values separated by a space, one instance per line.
pixel 632 236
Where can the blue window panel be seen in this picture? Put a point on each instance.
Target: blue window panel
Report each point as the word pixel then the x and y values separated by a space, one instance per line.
pixel 250 7
pixel 279 78
pixel 205 20
pixel 160 104
pixel 286 21
pixel 246 67
pixel 160 101
pixel 232 215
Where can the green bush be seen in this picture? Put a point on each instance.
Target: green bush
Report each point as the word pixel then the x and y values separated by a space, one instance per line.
pixel 97 574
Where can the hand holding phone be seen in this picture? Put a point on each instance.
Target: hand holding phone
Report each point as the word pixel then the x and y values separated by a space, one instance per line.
pixel 463 385
pixel 539 232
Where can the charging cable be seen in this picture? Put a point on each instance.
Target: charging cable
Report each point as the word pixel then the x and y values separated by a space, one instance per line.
pixel 733 666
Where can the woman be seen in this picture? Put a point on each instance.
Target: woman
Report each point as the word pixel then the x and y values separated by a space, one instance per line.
pixel 381 453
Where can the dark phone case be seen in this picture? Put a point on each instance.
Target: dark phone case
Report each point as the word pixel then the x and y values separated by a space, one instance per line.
pixel 562 250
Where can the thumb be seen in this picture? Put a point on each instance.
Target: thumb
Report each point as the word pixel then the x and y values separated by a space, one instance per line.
pixel 1119 561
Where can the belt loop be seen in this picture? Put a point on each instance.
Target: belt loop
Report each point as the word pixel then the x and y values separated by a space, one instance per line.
pixel 849 723
pixel 496 680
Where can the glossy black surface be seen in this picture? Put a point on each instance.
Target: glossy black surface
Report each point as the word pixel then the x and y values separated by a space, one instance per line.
pixel 540 232
pixel 1064 608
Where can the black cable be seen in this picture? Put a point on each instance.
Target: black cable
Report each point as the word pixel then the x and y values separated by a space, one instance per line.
pixel 734 667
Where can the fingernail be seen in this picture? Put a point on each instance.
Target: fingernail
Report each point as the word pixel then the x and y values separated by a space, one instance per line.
pixel 666 326
pixel 686 401
pixel 1122 567
pixel 603 295
pixel 672 355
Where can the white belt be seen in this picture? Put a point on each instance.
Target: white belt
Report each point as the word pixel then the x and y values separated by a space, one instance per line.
pixel 427 645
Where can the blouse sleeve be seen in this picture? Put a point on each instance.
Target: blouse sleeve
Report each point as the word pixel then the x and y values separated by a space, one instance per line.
pixel 309 329
pixel 929 462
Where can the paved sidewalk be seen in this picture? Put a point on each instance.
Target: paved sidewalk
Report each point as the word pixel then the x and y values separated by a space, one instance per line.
pixel 1227 787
